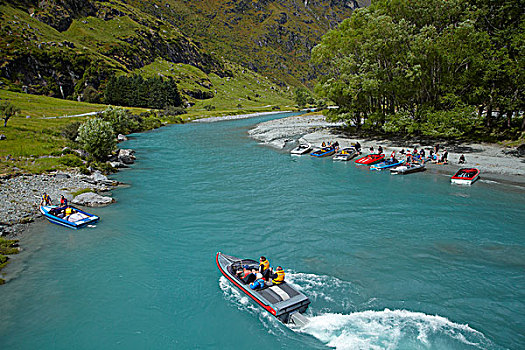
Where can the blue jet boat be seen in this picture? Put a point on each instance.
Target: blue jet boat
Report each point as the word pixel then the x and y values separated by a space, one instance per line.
pixel 77 219
pixel 323 152
pixel 387 164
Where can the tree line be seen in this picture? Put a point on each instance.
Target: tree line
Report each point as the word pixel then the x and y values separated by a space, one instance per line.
pixel 135 91
pixel 428 67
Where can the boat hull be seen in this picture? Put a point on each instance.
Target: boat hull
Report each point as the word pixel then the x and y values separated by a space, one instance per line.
pixel 465 176
pixel 404 170
pixel 345 157
pixel 280 300
pixel 87 220
pixel 385 165
pixel 370 159
pixel 301 150
pixel 323 152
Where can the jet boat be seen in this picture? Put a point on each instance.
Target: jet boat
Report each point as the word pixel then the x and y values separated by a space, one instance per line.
pixel 303 148
pixel 323 152
pixel 281 300
pixel 370 159
pixel 465 176
pixel 77 219
pixel 345 154
pixel 389 163
pixel 407 169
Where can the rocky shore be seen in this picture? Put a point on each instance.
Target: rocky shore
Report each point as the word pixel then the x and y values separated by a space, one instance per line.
pixel 20 196
pixel 495 162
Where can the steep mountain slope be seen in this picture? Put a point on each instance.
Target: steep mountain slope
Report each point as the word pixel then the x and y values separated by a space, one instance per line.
pixel 61 47
pixel 273 37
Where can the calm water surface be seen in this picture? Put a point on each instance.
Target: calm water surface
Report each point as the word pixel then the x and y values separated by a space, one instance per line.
pixel 388 262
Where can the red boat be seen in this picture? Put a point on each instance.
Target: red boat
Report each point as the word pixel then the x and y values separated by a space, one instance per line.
pixel 465 176
pixel 370 159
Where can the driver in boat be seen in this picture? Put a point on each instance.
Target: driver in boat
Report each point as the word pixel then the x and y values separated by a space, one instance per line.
pixel 264 268
pixel 259 282
pixel 278 276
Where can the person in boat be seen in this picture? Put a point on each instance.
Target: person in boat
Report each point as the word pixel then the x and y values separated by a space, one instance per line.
pixel 259 282
pixel 63 201
pixel 278 276
pixel 67 212
pixel 461 159
pixel 379 150
pixel 323 144
pixel 264 268
pixel 422 153
pixel 46 200
pixel 247 275
pixel 371 149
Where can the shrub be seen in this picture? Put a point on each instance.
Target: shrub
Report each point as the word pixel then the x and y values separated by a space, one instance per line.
pixel 209 107
pixel 70 161
pixel 70 131
pixel 97 138
pixel 172 110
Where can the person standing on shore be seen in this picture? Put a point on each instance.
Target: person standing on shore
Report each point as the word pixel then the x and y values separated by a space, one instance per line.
pixel 63 201
pixel 46 200
pixel 461 159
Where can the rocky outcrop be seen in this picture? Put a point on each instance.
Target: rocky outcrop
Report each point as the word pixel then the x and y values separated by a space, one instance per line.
pixel 91 199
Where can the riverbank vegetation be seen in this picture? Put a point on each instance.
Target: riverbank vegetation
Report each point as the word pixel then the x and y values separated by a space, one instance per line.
pixel 7 247
pixel 435 68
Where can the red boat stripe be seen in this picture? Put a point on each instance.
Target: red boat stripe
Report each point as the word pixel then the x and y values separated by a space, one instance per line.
pixel 268 308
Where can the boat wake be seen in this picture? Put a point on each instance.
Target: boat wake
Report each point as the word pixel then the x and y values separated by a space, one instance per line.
pixel 331 322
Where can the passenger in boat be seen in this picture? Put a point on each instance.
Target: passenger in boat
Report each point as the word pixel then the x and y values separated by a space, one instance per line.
pixel 422 153
pixel 259 282
pixel 278 276
pixel 63 201
pixel 379 150
pixel 264 268
pixel 371 149
pixel 46 200
pixel 247 275
pixel 323 144
pixel 461 159
pixel 68 212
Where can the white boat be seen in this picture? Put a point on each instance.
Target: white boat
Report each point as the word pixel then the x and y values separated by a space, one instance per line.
pixel 407 169
pixel 303 148
pixel 465 176
pixel 345 154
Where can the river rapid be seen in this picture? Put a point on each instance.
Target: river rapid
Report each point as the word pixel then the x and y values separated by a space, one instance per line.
pixel 389 262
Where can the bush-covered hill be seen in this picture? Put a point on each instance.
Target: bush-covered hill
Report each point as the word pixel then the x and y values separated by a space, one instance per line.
pixel 64 48
pixel 273 37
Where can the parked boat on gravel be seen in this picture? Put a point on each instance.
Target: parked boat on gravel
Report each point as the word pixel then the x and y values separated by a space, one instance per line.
pixel 303 148
pixel 370 159
pixel 465 176
pixel 72 218
pixel 345 154
pixel 407 169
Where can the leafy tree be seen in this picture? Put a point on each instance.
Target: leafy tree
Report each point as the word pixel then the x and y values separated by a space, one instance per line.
pixel 97 137
pixel 8 110
pixel 302 97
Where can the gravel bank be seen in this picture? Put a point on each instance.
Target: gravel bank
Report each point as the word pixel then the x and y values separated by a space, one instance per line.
pixel 494 161
pixel 20 197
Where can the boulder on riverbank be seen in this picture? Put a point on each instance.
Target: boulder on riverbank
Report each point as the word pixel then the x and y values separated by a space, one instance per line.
pixel 126 156
pixel 91 199
pixel 121 138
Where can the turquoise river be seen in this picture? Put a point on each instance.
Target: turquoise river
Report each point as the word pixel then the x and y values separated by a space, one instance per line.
pixel 389 262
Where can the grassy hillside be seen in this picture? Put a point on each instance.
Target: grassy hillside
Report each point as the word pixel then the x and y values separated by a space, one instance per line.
pixel 268 36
